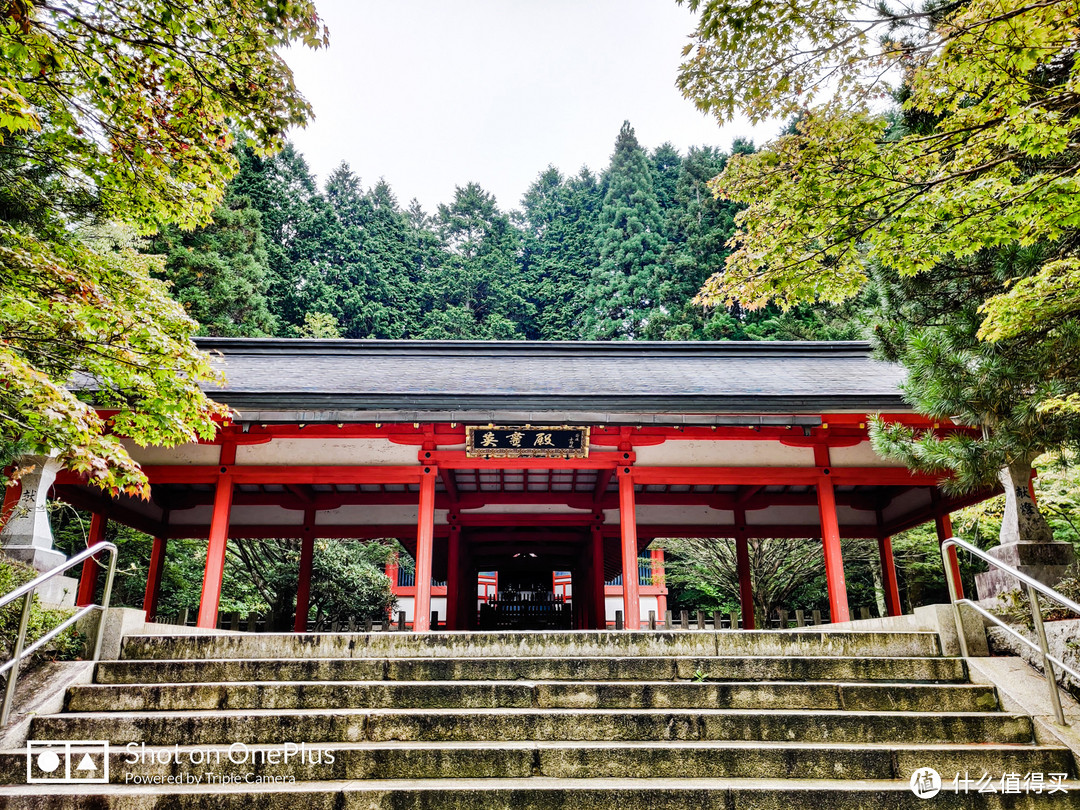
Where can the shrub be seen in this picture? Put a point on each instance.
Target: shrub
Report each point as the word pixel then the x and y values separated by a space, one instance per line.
pixel 65 647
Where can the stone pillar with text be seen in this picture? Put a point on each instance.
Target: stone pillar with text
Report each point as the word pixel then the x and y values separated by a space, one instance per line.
pixel 27 535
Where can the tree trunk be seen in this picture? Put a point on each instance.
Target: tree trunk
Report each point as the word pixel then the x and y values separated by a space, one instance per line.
pixel 1022 522
pixel 283 610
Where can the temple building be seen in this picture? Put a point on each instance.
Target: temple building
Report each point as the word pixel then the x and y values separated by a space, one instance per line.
pixel 545 468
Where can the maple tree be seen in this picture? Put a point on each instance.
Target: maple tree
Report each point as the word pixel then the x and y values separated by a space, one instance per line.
pixel 121 112
pixel 986 155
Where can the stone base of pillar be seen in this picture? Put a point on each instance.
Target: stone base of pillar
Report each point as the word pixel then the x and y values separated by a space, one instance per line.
pixel 1045 562
pixel 42 559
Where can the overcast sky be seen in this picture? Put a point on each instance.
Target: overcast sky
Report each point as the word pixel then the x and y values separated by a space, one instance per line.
pixel 430 94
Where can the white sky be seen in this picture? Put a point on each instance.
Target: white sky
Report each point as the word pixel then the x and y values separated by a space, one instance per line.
pixel 430 94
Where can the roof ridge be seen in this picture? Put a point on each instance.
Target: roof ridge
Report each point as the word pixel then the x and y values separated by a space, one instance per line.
pixel 339 346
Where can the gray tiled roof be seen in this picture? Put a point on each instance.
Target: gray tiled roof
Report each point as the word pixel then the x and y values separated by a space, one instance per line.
pixel 329 380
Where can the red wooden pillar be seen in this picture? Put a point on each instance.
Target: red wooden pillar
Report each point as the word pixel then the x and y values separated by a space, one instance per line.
pixel 888 577
pixel 659 581
pixel 943 525
pixel 467 592
pixel 303 577
pixel 596 572
pixel 454 584
pixel 11 498
pixel 425 541
pixel 834 559
pixel 153 578
pixel 88 580
pixel 628 525
pixel 215 553
pixel 583 597
pixel 742 567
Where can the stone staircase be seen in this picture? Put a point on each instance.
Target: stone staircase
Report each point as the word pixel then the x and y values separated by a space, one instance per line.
pixel 694 720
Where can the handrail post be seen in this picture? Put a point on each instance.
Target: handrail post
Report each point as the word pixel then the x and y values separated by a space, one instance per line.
pixel 20 637
pixel 105 596
pixel 26 593
pixel 954 591
pixel 1048 665
pixel 1034 587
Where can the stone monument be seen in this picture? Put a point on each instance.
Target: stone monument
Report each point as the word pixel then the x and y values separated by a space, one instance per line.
pixel 27 535
pixel 1042 558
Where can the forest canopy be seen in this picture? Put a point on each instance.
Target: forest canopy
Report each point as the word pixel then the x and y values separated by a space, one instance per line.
pixel 613 255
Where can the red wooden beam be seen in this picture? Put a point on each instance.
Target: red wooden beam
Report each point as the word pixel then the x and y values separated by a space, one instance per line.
pixel 457 460
pixel 927 512
pixel 735 476
pixel 284 474
pixel 832 420
pixel 397 432
pixel 406 533
pixel 322 502
pixel 746 493
pixel 94 500
pixel 511 551
pixel 647 533
pixel 304 495
pixel 477 500
pixel 450 485
pixel 525 519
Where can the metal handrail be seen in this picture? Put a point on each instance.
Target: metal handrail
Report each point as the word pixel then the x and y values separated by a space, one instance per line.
pixel 1034 588
pixel 26 593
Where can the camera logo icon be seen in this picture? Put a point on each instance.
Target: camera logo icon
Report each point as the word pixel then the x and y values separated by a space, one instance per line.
pixel 67 762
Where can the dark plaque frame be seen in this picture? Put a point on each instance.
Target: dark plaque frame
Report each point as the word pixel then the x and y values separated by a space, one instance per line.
pixel 532 441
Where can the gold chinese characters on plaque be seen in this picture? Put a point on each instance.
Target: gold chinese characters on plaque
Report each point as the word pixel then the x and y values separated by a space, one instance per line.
pixel 526 442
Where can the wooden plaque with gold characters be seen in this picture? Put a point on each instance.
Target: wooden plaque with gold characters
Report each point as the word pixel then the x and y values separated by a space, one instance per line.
pixel 526 441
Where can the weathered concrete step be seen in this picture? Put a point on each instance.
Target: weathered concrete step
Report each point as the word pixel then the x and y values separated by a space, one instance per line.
pixel 566 760
pixel 527 794
pixel 527 694
pixel 712 668
pixel 379 725
pixel 533 644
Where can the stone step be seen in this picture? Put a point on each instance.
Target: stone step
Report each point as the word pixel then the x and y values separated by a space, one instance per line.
pixel 533 644
pixel 380 725
pixel 712 668
pixel 535 793
pixel 567 760
pixel 525 695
